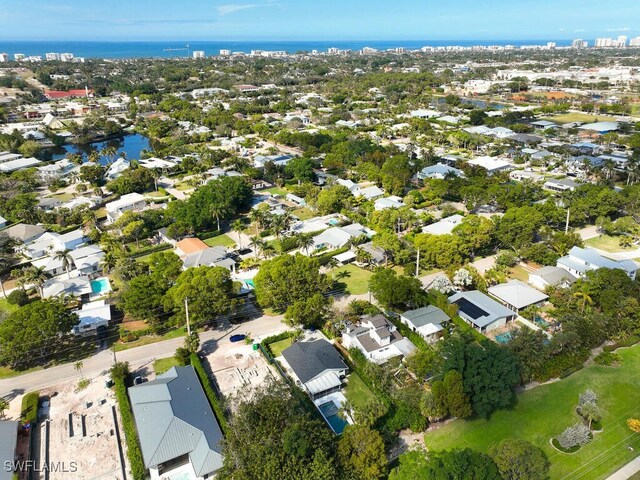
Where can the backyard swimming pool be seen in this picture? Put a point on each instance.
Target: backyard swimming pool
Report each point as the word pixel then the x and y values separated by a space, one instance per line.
pixel 329 411
pixel 100 285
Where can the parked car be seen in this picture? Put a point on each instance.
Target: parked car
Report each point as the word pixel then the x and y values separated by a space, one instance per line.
pixel 238 337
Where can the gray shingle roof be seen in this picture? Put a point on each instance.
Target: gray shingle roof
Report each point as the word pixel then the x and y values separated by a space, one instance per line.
pixel 173 418
pixel 425 315
pixel 310 359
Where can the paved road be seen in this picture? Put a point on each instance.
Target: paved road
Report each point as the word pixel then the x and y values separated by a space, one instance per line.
pixel 137 357
pixel 627 471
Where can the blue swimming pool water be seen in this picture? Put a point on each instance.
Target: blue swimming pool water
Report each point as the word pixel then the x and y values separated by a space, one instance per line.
pixel 503 338
pixel 100 285
pixel 333 221
pixel 330 412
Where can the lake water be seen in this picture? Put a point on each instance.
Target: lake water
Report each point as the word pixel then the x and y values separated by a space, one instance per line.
pixel 131 145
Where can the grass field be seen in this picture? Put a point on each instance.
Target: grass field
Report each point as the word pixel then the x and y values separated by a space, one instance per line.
pixel 276 191
pixel 163 364
pixel 220 241
pixel 355 278
pixel 6 372
pixel 519 273
pixel 606 243
pixel 303 213
pixel 279 346
pixel 578 117
pixel 5 306
pixel 148 339
pixel 546 411
pixel 357 392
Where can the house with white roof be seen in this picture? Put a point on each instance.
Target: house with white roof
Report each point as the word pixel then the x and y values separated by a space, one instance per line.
pixel 426 321
pixel 92 316
pixel 51 242
pixel 517 295
pixel 444 226
pixel 377 338
pixel 134 202
pixel 369 193
pixel 439 171
pixel 491 164
pixel 581 260
pixel 551 276
pixel 337 237
pixel 392 201
pixel 117 168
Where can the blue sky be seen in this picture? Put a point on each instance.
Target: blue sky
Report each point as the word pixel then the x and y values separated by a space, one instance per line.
pixel 316 19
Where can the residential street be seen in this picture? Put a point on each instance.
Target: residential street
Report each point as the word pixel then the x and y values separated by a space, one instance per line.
pixel 137 357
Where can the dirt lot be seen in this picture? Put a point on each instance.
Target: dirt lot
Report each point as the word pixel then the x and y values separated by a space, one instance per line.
pixel 238 369
pixel 93 445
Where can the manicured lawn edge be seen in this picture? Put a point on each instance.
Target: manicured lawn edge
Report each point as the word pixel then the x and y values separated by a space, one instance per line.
pixel 216 405
pixel 273 339
pixel 567 451
pixel 29 408
pixel 130 434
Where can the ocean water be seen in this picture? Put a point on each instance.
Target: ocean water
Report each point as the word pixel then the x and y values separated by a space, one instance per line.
pixel 173 49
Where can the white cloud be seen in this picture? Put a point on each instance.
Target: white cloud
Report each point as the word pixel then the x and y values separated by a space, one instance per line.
pixel 619 29
pixel 227 9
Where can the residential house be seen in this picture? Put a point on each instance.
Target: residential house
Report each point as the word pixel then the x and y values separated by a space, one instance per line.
pixel 481 311
pixel 337 237
pixel 491 164
pixel 439 171
pixel 92 316
pixel 543 124
pixel 259 161
pixel 117 168
pixel 581 260
pixel 8 452
pixel 600 127
pixel 24 232
pixel 188 246
pixel 377 338
pixel 316 366
pixel 58 170
pixel 296 199
pixel 551 276
pixel 444 226
pixel 426 321
pixel 369 193
pixel 61 285
pixel 517 295
pixel 3 222
pixel 195 253
pixel 132 202
pixel 377 255
pixel 51 242
pixel 178 431
pixel 392 201
pixel 561 185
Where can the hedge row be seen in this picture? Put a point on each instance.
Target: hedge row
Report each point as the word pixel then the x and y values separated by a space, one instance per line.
pixel 217 407
pixel 129 427
pixel 152 249
pixel 29 408
pixel 326 257
pixel 206 235
pixel 405 331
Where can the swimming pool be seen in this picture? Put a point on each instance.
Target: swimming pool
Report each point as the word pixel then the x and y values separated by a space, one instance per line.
pixel 334 221
pixel 100 285
pixel 329 411
pixel 504 337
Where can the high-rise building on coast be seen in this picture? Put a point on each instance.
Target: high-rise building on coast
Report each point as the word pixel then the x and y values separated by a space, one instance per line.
pixel 579 43
pixel 198 54
pixel 225 53
pixel 4 57
pixel 18 56
pixel 333 51
pixel 604 42
pixel 52 56
pixel 67 57
pixel 634 42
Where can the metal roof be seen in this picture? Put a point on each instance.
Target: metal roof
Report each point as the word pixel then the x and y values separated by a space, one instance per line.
pixel 425 315
pixel 173 418
pixel 8 440
pixel 518 294
pixel 479 308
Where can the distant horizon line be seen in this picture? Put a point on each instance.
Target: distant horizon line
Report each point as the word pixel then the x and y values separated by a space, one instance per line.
pixel 272 40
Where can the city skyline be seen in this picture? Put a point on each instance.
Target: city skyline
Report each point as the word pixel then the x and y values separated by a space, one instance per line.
pixel 304 20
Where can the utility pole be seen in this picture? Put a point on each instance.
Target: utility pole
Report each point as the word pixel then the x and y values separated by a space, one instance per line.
pixel 186 309
pixel 418 264
pixel 566 226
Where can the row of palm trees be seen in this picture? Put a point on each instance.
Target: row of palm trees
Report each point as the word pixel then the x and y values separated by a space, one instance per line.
pixel 37 276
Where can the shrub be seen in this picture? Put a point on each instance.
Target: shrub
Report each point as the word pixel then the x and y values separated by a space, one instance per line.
pixel 84 383
pixel 588 396
pixel 18 297
pixel 607 358
pixel 574 436
pixel 133 447
pixel 634 424
pixel 273 339
pixel 29 409
pixel 216 405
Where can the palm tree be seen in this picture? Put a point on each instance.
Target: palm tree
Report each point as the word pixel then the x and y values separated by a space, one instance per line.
pixel 4 405
pixel 93 156
pixel 256 243
pixel 218 210
pixel 584 294
pixel 37 276
pixel 5 262
pixel 305 241
pixel 237 227
pixel 78 368
pixel 590 412
pixel 109 261
pixel 67 260
pixel 20 276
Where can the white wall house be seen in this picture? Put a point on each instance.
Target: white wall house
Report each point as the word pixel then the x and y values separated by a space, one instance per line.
pixel 130 202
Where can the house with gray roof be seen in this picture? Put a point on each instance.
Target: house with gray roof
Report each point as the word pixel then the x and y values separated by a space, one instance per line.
pixel 179 434
pixel 440 171
pixel 377 338
pixel 481 311
pixel 551 276
pixel 8 442
pixel 23 232
pixel 517 295
pixel 210 257
pixel 426 321
pixel 580 260
pixel 316 366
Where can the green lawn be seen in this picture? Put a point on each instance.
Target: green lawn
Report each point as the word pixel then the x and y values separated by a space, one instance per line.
pixel 6 306
pixel 355 278
pixel 6 372
pixel 303 213
pixel 279 346
pixel 220 241
pixel 578 117
pixel 546 411
pixel 63 197
pixel 357 392
pixel 276 191
pixel 519 273
pixel 163 364
pixel 606 243
pixel 148 339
